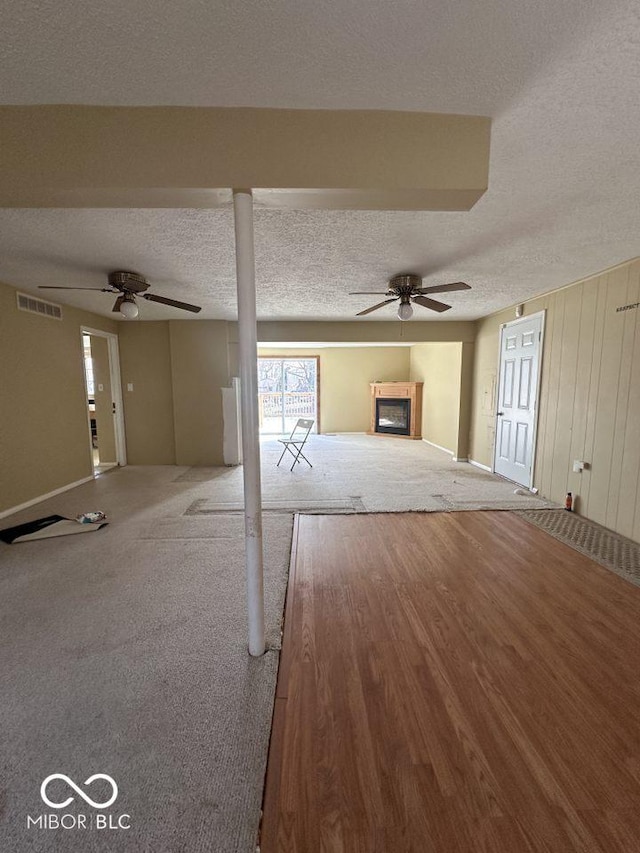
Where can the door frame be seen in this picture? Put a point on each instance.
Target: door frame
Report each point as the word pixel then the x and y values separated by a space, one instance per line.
pixel 116 390
pixel 307 357
pixel 543 316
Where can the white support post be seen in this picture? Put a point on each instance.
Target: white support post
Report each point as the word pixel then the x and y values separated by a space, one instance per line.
pixel 247 335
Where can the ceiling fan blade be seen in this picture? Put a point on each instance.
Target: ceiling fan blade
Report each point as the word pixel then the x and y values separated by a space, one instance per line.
pixel 163 299
pixel 431 303
pixel 445 288
pixel 117 304
pixel 55 287
pixel 375 307
pixel 369 293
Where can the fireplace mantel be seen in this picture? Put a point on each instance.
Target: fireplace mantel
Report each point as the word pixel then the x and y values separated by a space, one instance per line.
pixel 397 391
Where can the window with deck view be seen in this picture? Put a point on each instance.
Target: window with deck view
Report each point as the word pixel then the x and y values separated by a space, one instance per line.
pixel 287 390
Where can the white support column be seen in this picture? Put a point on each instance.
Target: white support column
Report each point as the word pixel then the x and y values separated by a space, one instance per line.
pixel 247 333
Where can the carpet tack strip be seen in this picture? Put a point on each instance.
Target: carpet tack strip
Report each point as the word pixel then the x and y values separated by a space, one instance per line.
pixel 609 549
pixel 203 506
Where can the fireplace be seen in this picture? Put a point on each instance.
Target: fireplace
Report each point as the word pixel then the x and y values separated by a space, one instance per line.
pixel 396 409
pixel 393 416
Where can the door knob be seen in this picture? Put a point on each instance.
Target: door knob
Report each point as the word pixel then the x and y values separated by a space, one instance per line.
pixel 500 414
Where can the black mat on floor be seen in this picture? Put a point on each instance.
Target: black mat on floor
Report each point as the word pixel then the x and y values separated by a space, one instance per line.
pixel 46 528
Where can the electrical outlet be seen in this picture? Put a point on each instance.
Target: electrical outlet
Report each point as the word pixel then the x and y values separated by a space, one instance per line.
pixel 129 386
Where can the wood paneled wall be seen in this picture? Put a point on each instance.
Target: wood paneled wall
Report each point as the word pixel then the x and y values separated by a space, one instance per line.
pixel 590 396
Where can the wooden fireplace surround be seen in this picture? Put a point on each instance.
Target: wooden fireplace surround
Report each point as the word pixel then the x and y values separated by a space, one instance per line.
pixel 411 391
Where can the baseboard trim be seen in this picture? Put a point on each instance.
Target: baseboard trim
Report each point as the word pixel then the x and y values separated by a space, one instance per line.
pixel 480 465
pixel 41 498
pixel 460 459
pixel 439 447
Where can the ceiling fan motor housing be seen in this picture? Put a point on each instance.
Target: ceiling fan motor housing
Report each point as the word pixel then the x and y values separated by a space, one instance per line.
pixel 405 283
pixel 128 281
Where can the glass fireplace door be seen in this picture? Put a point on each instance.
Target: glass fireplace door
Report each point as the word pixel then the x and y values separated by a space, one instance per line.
pixel 393 415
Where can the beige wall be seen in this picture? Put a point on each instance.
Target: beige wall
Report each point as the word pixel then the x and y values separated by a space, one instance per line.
pixel 103 399
pixel 345 374
pixel 199 359
pixel 589 406
pixel 173 415
pixel 361 331
pixel 94 156
pixel 466 399
pixel 44 431
pixel 439 367
pixel 145 362
pixel 446 369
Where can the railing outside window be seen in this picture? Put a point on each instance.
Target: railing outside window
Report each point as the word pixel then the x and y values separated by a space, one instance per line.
pixel 297 404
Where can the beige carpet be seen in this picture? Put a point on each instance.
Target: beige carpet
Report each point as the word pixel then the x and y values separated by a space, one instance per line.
pixel 124 653
pixel 360 473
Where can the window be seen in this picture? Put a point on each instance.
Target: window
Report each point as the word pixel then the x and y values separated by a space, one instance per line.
pixel 287 390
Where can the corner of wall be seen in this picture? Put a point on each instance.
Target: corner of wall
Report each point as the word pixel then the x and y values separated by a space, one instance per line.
pixel 466 400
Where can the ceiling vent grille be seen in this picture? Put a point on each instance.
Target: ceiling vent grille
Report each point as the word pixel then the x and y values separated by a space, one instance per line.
pixel 39 306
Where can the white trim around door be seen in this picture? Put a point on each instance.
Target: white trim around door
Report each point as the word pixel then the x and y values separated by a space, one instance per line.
pixel 116 390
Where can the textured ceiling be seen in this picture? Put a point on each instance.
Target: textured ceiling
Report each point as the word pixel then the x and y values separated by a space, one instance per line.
pixel 561 81
pixel 409 54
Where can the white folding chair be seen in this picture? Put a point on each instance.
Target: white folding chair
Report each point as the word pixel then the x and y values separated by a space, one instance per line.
pixel 294 444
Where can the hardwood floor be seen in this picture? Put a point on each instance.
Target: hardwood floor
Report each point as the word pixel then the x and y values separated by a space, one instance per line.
pixel 453 682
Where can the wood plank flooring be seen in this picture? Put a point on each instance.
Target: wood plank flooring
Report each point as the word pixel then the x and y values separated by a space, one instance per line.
pixel 453 682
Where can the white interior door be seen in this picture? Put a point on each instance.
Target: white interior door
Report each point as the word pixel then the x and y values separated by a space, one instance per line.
pixel 520 347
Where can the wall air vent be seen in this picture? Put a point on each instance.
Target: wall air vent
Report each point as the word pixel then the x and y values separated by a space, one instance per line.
pixel 39 306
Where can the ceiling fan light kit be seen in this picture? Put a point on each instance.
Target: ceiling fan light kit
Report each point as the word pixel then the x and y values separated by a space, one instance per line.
pixel 407 287
pixel 405 311
pixel 128 285
pixel 128 307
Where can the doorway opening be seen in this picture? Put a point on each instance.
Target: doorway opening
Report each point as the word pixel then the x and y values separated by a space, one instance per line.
pixel 104 409
pixel 288 389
